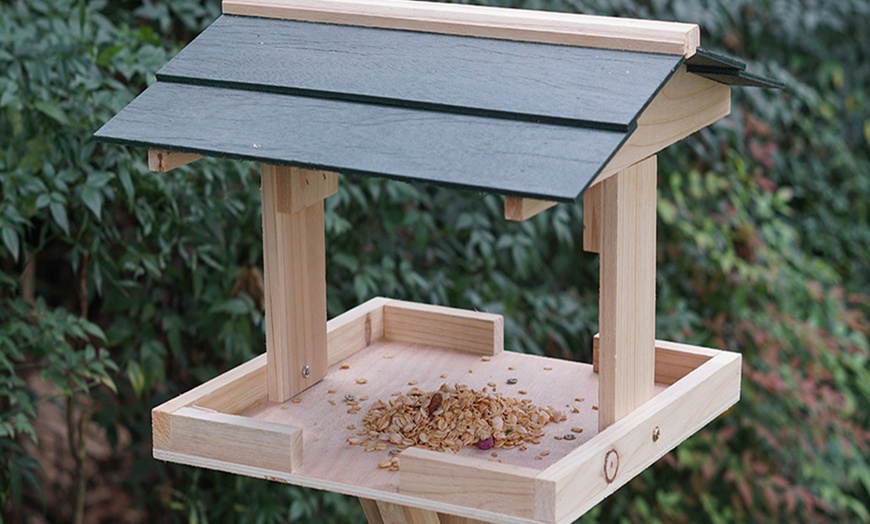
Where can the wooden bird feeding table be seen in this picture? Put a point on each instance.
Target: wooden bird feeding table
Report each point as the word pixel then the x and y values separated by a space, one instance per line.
pixel 539 107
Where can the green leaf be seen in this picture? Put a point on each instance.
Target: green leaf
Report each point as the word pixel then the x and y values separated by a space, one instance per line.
pixel 43 200
pixel 52 110
pixel 233 306
pixel 136 377
pixel 10 240
pixel 93 199
pixel 58 213
pixel 109 383
pixel 127 184
pixel 94 330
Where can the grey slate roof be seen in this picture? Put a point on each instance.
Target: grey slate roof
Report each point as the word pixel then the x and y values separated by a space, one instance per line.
pixel 515 118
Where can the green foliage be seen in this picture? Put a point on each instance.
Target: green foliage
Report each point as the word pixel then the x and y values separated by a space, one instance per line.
pixel 129 286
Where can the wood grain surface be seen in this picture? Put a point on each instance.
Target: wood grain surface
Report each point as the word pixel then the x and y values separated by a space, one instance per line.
pixel 527 25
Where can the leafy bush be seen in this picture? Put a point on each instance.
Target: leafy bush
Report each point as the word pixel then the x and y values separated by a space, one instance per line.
pixel 122 288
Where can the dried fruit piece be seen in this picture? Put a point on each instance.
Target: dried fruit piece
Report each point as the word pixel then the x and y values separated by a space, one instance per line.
pixel 434 403
pixel 345 365
pixel 485 443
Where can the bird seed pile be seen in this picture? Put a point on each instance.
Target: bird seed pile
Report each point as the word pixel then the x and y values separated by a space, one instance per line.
pixel 452 417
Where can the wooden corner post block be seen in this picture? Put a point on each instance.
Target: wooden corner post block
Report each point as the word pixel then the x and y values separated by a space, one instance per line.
pixel 294 259
pixel 627 246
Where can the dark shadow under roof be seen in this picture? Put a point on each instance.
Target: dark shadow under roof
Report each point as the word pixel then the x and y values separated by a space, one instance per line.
pixel 499 116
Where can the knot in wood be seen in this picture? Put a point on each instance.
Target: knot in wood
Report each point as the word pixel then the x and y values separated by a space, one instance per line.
pixel 611 465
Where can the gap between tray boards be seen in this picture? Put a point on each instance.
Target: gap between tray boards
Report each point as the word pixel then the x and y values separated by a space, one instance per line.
pixel 208 427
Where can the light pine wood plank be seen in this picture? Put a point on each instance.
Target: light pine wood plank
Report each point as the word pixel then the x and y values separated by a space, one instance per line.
pixel 592 219
pixel 397 514
pixel 237 396
pixel 356 329
pixel 371 511
pixel 299 188
pixel 520 209
pixel 453 519
pixel 249 372
pixel 673 360
pixel 475 483
pixel 686 104
pixel 678 412
pixel 235 439
pixel 163 161
pixel 471 331
pixel 294 256
pixel 331 464
pixel 627 297
pixel 490 22
pixel 388 367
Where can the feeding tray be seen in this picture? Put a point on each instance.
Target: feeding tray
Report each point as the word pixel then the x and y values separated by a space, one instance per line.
pixel 538 107
pixel 229 424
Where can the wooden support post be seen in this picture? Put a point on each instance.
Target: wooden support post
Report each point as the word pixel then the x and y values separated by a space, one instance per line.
pixel 592 219
pixel 627 300
pixel 294 259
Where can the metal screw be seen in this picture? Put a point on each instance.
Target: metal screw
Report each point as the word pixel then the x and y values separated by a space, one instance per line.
pixel 306 370
pixel 656 434
pixel 569 436
pixel 349 397
pixel 512 381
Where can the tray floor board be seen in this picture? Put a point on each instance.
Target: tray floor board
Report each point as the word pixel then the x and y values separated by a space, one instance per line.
pixel 388 367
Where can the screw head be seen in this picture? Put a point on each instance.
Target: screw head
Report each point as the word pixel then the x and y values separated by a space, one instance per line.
pixel 656 434
pixel 306 371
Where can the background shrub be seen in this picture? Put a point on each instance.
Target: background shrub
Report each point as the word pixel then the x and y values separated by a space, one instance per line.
pixel 121 288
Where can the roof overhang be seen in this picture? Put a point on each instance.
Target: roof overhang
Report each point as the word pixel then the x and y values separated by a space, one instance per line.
pixel 408 101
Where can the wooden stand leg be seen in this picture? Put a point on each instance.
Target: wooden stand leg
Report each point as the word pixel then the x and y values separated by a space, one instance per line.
pixel 627 244
pixel 295 277
pixel 378 512
pixel 396 514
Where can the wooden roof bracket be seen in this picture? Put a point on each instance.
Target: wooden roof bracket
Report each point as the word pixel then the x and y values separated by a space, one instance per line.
pixel 684 105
